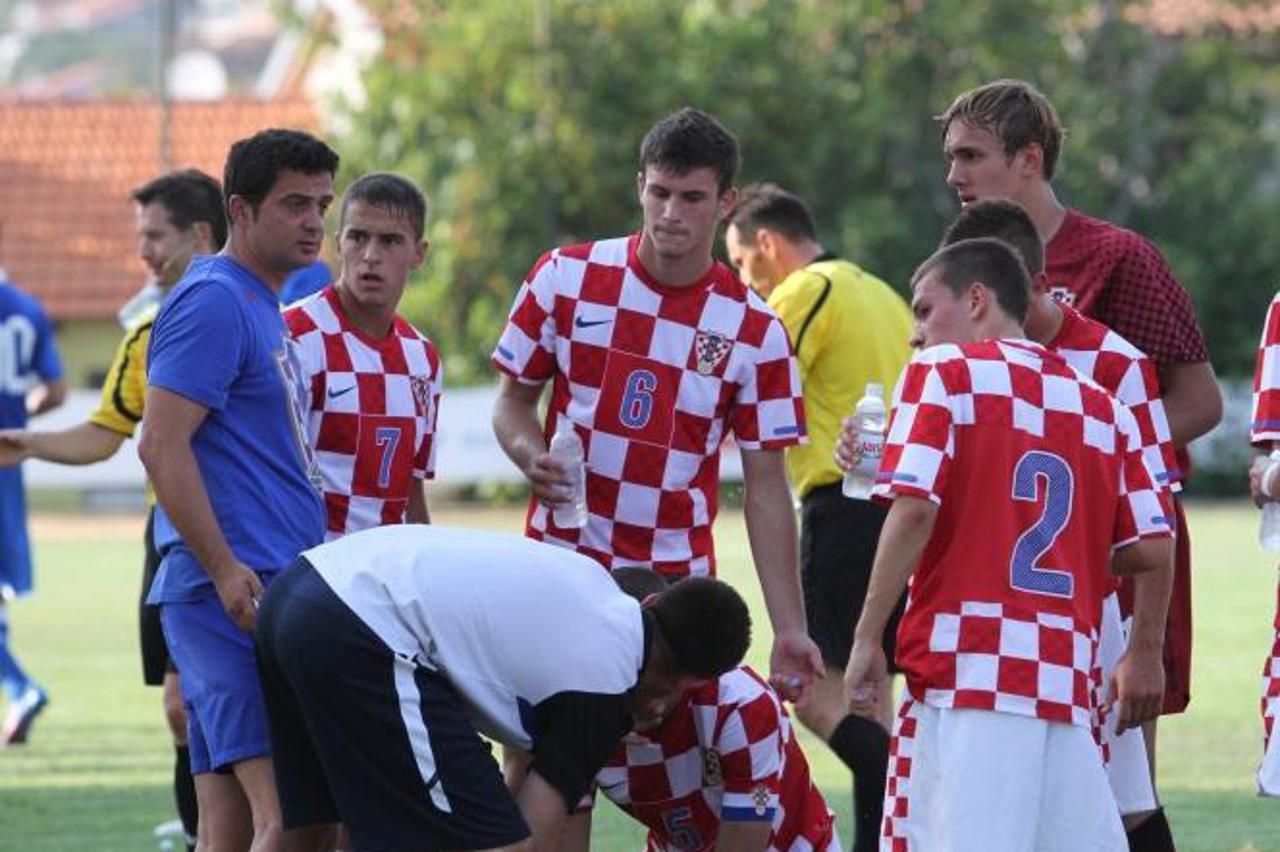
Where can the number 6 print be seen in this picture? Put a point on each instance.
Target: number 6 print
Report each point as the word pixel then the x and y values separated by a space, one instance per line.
pixel 1059 488
pixel 637 399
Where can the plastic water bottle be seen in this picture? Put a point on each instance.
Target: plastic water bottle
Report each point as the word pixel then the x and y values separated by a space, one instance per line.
pixel 566 448
pixel 870 415
pixel 1269 529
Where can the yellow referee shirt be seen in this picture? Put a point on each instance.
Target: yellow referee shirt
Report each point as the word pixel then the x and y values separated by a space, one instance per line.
pixel 124 391
pixel 847 328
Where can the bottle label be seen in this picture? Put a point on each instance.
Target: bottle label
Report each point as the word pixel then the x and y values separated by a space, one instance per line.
pixel 872 446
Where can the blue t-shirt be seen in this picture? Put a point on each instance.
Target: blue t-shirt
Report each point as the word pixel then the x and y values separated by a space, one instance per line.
pixel 219 341
pixel 27 355
pixel 304 282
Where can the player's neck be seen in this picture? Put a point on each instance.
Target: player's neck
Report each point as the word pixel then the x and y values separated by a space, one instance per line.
pixel 1044 319
pixel 376 323
pixel 1042 205
pixel 264 272
pixel 682 270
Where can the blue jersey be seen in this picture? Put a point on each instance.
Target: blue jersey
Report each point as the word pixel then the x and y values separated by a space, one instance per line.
pixel 27 356
pixel 304 282
pixel 219 341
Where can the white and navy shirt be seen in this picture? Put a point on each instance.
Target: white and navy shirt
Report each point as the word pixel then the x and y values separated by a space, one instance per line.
pixel 538 640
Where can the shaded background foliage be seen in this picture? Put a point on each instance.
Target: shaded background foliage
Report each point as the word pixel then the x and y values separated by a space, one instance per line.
pixel 522 120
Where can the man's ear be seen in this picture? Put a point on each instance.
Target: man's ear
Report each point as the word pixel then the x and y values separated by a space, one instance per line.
pixel 979 300
pixel 767 243
pixel 649 600
pixel 727 201
pixel 1030 160
pixel 239 210
pixel 204 236
pixel 1039 284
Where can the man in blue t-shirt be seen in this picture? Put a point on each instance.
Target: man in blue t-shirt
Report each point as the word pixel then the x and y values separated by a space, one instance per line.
pixel 237 485
pixel 30 383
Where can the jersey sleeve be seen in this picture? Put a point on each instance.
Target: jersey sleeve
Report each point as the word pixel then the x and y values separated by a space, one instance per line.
pixel 424 463
pixel 198 345
pixel 574 734
pixel 527 348
pixel 1264 423
pixel 1142 510
pixel 920 442
pixel 124 391
pixel 1139 389
pixel 768 411
pixel 799 307
pixel 750 745
pixel 45 359
pixel 1146 305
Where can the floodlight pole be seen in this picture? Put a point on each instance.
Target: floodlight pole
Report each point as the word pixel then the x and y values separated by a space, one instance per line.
pixel 167 34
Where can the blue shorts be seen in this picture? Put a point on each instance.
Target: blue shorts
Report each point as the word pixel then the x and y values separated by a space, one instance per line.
pixel 15 551
pixel 226 717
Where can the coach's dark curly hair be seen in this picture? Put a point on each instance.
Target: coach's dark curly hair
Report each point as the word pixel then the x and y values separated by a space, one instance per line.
pixel 254 164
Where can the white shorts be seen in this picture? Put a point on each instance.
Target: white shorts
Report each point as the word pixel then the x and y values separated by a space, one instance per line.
pixel 987 781
pixel 1125 756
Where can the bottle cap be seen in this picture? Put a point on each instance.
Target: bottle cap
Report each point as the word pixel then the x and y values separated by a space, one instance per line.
pixel 874 389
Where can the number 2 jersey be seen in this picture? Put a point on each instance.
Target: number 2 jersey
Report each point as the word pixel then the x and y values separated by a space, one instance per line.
pixel 652 377
pixel 726 754
pixel 1039 475
pixel 372 418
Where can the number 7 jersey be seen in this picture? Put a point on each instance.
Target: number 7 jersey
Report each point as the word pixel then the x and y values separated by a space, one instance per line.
pixel 372 418
pixel 1039 475
pixel 653 377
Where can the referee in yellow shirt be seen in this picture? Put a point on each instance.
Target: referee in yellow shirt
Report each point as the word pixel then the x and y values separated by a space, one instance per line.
pixel 178 215
pixel 848 328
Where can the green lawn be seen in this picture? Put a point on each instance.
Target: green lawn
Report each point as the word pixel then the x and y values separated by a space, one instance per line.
pixel 95 776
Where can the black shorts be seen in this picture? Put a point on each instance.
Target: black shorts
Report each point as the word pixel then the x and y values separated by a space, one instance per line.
pixel 155 653
pixel 368 737
pixel 838 538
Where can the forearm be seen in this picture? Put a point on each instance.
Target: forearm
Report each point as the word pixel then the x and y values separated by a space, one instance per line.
pixel 771 532
pixel 544 811
pixel 1192 400
pixel 416 511
pixel 83 444
pixel 743 836
pixel 180 491
pixel 1151 593
pixel 903 538
pixel 515 423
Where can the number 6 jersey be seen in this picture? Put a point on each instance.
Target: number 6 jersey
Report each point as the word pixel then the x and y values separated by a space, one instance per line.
pixel 372 419
pixel 1039 476
pixel 652 377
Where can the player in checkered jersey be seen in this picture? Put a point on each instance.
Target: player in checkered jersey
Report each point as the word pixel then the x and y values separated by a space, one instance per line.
pixel 655 352
pixel 1015 483
pixel 721 769
pixel 1264 432
pixel 375 379
pixel 1118 366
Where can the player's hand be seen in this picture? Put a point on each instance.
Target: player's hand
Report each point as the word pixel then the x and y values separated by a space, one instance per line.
pixel 239 589
pixel 794 664
pixel 864 677
pixel 1137 686
pixel 549 479
pixel 1256 471
pixel 13 447
pixel 845 452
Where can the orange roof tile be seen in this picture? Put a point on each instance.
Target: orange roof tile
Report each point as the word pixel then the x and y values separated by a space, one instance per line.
pixel 66 171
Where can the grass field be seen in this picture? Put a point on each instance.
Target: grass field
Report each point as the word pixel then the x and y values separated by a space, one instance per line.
pixel 95 776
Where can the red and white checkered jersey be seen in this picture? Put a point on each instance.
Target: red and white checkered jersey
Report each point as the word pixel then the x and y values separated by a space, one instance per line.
pixel 728 753
pixel 373 412
pixel 1130 376
pixel 653 377
pixel 1264 425
pixel 1039 474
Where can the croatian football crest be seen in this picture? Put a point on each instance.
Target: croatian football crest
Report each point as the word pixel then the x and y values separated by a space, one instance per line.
pixel 421 388
pixel 710 349
pixel 760 798
pixel 1062 293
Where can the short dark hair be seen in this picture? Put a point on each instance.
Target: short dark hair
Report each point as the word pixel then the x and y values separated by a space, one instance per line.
pixel 691 139
pixel 987 261
pixel 1016 113
pixel 190 196
pixel 397 195
pixel 704 624
pixel 1003 220
pixel 254 164
pixel 767 205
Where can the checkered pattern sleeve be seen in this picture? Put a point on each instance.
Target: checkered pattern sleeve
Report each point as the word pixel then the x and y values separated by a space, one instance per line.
pixel 920 442
pixel 750 744
pixel 1147 305
pixel 424 462
pixel 1264 425
pixel 1143 510
pixel 527 348
pixel 1139 389
pixel 768 413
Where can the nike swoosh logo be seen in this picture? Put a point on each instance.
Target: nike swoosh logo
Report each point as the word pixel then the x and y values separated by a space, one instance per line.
pixel 333 393
pixel 582 323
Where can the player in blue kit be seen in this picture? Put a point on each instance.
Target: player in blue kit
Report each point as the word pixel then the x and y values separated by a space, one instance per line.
pixel 30 383
pixel 224 445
